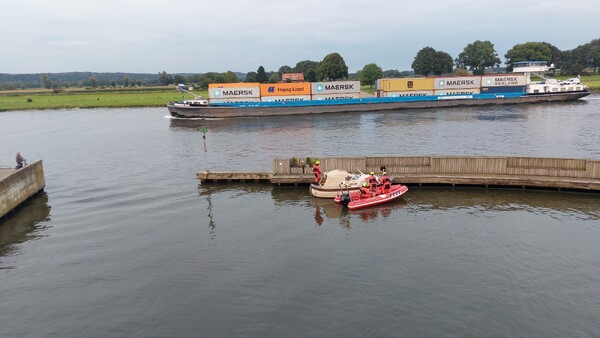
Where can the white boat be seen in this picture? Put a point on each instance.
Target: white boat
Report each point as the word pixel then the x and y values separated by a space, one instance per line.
pixel 333 181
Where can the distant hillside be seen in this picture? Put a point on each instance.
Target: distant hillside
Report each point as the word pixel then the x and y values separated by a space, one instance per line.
pixel 74 79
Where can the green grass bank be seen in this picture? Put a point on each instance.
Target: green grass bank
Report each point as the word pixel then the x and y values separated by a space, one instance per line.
pixel 133 97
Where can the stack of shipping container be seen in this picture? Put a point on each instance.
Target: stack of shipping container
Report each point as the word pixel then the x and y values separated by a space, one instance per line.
pixel 281 92
pixel 451 85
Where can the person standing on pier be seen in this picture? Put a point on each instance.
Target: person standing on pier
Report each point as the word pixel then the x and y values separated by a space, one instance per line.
pixel 317 171
pixel 20 160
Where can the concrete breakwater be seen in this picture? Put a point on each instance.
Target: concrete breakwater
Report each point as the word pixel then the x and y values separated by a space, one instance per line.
pixel 16 186
pixel 518 172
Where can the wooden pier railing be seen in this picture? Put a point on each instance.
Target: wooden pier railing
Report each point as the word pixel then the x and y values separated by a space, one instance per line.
pixel 555 173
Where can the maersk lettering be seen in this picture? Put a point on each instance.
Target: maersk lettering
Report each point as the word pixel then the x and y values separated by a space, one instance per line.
pixel 289 99
pixel 461 83
pixel 339 87
pixel 245 92
pixel 339 98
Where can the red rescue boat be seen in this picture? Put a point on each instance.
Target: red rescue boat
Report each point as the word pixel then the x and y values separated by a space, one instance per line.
pixel 354 201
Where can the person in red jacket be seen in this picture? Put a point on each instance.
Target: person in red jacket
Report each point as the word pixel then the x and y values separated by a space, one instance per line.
pixel 386 181
pixel 317 171
pixel 364 192
pixel 372 181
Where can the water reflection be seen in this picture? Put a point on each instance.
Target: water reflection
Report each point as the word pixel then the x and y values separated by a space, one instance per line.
pixel 23 223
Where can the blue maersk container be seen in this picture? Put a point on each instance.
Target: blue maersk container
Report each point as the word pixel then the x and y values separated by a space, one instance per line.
pixel 506 89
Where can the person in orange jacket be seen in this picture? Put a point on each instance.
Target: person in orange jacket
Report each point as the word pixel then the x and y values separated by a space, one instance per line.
pixel 386 181
pixel 372 181
pixel 364 192
pixel 317 171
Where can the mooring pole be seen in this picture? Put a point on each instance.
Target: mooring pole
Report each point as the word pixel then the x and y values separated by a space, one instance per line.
pixel 203 130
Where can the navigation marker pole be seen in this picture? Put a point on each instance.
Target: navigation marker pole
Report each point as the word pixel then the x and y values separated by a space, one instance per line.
pixel 203 130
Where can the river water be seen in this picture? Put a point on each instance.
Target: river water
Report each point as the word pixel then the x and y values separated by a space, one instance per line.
pixel 124 242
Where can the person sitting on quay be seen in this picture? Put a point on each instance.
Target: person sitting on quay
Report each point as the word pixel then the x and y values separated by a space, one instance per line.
pixel 20 161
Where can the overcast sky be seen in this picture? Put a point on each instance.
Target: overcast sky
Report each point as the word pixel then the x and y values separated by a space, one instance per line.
pixel 149 36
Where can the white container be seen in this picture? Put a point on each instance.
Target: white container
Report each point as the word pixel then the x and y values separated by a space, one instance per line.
pixel 335 87
pixel 407 93
pixel 235 100
pixel 234 92
pixel 503 80
pixel 467 91
pixel 341 96
pixel 457 82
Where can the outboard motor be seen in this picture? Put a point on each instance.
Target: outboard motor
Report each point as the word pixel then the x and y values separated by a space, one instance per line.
pixel 345 199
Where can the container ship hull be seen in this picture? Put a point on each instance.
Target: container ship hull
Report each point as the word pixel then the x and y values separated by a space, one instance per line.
pixel 375 104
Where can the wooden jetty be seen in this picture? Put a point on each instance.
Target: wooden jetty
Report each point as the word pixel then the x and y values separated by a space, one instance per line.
pixel 515 172
pixel 17 186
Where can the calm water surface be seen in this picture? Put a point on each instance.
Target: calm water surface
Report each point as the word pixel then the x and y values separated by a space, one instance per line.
pixel 123 242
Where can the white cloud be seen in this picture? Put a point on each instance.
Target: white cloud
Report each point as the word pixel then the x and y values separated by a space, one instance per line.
pixel 239 35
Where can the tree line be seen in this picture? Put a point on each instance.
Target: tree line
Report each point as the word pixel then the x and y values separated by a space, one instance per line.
pixel 475 58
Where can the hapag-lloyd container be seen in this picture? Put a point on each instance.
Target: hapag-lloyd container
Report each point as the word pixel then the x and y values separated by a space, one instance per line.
pixel 506 89
pixel 466 91
pixel 285 98
pixel 404 84
pixel 340 96
pixel 335 87
pixel 235 100
pixel 457 82
pixel 502 80
pixel 414 93
pixel 284 89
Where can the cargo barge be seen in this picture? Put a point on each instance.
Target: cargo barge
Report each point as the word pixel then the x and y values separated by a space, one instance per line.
pixel 255 100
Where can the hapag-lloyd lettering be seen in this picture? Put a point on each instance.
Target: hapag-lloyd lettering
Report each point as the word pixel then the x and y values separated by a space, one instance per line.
pixel 291 89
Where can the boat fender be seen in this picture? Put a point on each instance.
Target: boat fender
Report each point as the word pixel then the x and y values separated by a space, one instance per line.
pixel 345 199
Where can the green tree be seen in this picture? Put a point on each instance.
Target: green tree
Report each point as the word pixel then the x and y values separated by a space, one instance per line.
pixel 444 63
pixel 284 69
pixel 113 83
pixel 369 74
pixel 274 78
pixel 390 73
pixel 164 78
pixel 478 56
pixel 261 75
pixel 430 61
pixel 230 77
pixel 424 61
pixel 333 67
pixel 46 81
pixel 209 78
pixel 179 79
pixel 311 75
pixel 126 81
pixel 528 51
pixel 93 81
pixel 308 68
pixel 251 77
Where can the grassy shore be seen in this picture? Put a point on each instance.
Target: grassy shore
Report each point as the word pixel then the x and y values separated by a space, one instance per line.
pixel 133 97
pixel 101 98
